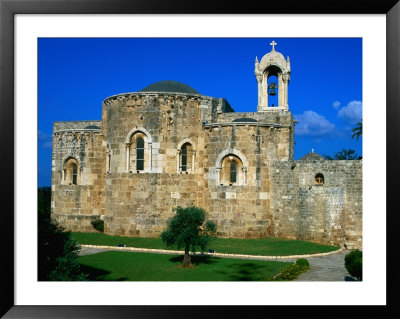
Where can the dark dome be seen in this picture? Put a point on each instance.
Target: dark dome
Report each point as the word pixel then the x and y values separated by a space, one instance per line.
pixel 169 86
pixel 312 157
pixel 245 119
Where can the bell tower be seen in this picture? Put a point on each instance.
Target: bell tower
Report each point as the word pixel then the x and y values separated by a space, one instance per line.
pixel 272 65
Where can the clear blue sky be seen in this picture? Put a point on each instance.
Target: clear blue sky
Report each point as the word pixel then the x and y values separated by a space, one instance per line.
pixel 325 90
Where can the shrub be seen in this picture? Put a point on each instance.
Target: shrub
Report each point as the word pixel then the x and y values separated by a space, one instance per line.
pixel 293 271
pixel 98 224
pixel 302 262
pixel 353 263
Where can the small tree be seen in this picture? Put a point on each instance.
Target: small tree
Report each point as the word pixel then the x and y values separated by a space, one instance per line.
pixel 357 131
pixel 188 229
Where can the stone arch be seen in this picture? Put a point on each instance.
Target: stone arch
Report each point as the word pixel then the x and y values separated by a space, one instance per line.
pixel 186 156
pixel 134 131
pixel 184 141
pixel 131 148
pixel 273 71
pixel 70 172
pixel 233 152
pixel 223 166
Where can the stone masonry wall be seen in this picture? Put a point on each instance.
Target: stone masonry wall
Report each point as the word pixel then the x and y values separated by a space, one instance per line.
pixel 243 210
pixel 167 118
pixel 74 206
pixel 273 195
pixel 140 204
pixel 278 117
pixel 329 213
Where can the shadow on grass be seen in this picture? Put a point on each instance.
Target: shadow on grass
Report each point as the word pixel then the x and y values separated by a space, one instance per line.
pixel 245 272
pixel 196 259
pixel 97 274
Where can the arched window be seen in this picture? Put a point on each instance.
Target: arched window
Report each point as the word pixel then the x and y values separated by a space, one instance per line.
pixel 70 172
pixel 138 146
pixel 231 168
pixel 231 172
pixel 184 158
pixel 319 179
pixel 232 178
pixel 139 154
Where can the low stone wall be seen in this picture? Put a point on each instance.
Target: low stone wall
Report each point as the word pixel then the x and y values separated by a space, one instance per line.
pixel 329 213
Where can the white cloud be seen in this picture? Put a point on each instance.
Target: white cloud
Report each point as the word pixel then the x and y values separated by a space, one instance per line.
pixel 311 123
pixel 45 139
pixel 352 112
pixel 336 104
pixel 47 144
pixel 42 136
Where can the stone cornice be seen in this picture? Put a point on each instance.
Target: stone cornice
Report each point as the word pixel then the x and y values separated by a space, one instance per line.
pixel 78 130
pixel 155 94
pixel 274 125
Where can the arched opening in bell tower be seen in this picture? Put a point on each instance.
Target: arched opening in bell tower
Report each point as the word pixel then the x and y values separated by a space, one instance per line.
pixel 273 92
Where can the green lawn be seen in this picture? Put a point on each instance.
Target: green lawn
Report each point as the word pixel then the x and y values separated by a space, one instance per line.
pixel 132 266
pixel 262 246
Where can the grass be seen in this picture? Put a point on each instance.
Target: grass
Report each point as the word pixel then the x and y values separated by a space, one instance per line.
pixel 262 246
pixel 132 266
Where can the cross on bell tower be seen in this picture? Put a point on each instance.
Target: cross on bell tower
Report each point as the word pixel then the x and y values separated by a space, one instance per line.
pixel 273 43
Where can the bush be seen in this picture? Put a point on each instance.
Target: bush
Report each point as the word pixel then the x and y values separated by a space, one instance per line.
pixel 98 224
pixel 353 263
pixel 302 262
pixel 293 271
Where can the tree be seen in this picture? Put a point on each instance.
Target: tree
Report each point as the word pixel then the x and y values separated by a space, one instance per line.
pixel 357 131
pixel 57 252
pixel 188 229
pixel 344 155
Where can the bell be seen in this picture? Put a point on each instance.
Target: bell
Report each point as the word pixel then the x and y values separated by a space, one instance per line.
pixel 272 88
pixel 272 91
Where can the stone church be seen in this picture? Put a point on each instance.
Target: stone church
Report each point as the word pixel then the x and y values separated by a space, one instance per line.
pixel 168 145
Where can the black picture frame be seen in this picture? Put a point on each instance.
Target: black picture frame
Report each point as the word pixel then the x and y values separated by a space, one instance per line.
pixel 8 10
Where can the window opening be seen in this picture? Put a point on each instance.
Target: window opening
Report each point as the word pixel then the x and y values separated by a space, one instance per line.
pixel 74 174
pixel 139 154
pixel 272 90
pixel 233 173
pixel 319 179
pixel 184 158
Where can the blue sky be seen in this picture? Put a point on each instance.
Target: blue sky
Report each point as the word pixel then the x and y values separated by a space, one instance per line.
pixel 325 90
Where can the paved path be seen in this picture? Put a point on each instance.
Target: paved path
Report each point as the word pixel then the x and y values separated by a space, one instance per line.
pixel 323 268
pixel 327 268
